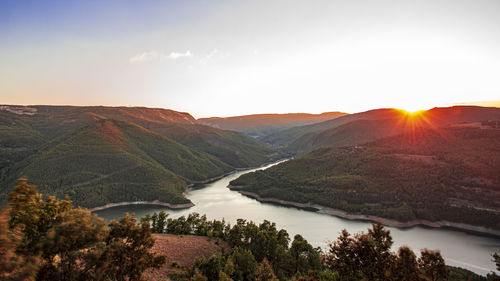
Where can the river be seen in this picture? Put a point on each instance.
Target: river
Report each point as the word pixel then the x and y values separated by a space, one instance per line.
pixel 467 250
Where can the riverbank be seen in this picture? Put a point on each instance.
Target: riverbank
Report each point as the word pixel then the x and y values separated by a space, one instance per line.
pixel 155 202
pixel 384 221
pixel 213 179
pixel 179 206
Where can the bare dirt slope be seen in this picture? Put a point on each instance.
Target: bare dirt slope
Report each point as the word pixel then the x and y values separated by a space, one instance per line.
pixel 184 250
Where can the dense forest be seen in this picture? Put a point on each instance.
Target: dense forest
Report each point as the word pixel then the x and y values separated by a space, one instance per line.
pixel 48 239
pixel 446 174
pixel 100 155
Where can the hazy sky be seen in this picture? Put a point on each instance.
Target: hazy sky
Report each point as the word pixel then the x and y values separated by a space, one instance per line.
pixel 221 58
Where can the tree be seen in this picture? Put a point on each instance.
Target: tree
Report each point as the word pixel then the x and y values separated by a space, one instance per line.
pixel 13 266
pixel 161 222
pixel 492 275
pixel 265 272
pixel 405 267
pixel 154 222
pixel 433 265
pixel 245 265
pixel 341 257
pixel 366 255
pixel 69 243
pixel 63 247
pixel 125 252
pixel 496 259
pixel 33 215
pixel 212 267
pixel 305 257
pixel 283 266
pixel 373 251
pixel 198 276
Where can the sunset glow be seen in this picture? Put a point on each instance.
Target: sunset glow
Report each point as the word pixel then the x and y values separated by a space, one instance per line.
pixel 224 58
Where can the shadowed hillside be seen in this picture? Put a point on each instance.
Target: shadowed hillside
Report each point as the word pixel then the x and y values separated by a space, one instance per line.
pixel 260 125
pixel 433 174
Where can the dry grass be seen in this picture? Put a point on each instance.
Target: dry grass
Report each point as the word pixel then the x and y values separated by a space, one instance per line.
pixel 184 250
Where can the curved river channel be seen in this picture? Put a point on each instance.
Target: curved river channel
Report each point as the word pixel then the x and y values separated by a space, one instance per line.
pixel 470 251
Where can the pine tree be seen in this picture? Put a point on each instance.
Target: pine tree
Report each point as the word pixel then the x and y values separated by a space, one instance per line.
pixel 405 266
pixel 433 265
pixel 265 272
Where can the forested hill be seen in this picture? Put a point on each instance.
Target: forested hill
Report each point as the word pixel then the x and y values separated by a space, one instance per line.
pixel 261 125
pixel 100 155
pixel 371 125
pixel 433 174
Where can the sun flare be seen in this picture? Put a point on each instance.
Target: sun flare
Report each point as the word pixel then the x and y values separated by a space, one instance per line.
pixel 412 109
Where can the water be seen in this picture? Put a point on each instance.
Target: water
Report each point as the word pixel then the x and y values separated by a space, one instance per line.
pixel 459 248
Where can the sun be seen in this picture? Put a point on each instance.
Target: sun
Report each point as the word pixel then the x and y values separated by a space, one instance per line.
pixel 411 109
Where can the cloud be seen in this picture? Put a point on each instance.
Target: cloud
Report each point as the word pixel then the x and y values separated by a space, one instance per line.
pixel 175 55
pixel 144 57
pixel 157 56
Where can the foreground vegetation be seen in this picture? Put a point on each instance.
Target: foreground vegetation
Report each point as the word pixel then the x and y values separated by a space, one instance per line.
pixel 49 239
pixel 446 174
pixel 262 252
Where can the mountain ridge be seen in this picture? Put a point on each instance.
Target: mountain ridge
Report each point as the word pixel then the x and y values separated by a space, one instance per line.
pixel 259 125
pixel 90 151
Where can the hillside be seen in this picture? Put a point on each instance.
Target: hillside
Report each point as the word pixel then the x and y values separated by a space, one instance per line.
pixel 237 149
pixel 100 155
pixel 261 125
pixel 366 126
pixel 114 161
pixel 433 174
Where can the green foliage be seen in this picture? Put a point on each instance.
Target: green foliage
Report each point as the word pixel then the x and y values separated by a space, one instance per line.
pixel 461 274
pixel 496 259
pixel 405 267
pixel 12 265
pixel 363 256
pixel 125 254
pixel 265 272
pixel 432 264
pixel 304 256
pixel 255 248
pixel 245 266
pixel 34 215
pixel 50 240
pixel 367 256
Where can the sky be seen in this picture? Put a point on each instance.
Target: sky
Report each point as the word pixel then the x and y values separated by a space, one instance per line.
pixel 225 58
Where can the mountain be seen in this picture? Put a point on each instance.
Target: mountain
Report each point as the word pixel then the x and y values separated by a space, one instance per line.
pixel 375 124
pixel 285 137
pixel 260 125
pixel 100 155
pixel 430 173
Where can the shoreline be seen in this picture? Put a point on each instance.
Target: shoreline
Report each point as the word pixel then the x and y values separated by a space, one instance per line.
pixel 175 206
pixel 359 217
pixel 154 202
pixel 210 180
